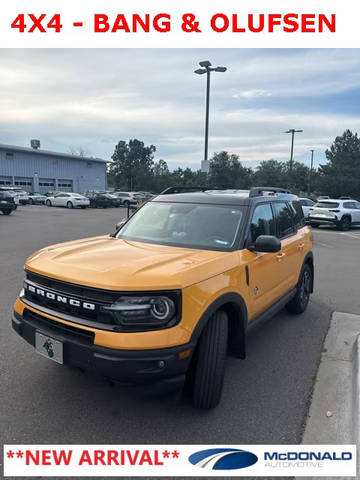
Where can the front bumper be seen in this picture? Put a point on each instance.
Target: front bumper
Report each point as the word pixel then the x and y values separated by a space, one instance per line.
pixel 160 369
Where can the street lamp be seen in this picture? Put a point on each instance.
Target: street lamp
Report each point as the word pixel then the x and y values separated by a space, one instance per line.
pixel 292 131
pixel 310 172
pixel 207 68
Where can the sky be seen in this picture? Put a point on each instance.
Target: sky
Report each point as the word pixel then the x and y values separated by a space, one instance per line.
pixel 93 98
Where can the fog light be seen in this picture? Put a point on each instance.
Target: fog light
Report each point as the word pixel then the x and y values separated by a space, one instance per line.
pixel 161 364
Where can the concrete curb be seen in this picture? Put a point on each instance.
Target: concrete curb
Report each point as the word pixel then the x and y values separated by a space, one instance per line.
pixel 334 413
pixel 356 398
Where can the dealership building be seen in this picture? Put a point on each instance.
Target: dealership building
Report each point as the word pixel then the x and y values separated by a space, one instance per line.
pixel 37 170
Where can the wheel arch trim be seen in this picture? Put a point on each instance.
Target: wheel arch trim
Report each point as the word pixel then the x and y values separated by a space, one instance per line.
pixel 234 305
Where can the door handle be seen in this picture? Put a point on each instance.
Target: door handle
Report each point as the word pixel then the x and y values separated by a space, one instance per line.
pixel 280 256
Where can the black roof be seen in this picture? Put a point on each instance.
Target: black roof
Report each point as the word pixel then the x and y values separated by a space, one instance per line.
pixel 221 198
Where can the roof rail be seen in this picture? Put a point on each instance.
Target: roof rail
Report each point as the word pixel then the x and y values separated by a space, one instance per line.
pixel 171 190
pixel 259 191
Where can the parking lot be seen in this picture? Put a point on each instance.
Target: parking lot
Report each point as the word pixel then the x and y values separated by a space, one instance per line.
pixel 265 397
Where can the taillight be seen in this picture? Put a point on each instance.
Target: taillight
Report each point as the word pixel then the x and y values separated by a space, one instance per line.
pixel 335 211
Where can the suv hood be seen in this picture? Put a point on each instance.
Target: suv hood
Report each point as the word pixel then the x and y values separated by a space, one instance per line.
pixel 115 264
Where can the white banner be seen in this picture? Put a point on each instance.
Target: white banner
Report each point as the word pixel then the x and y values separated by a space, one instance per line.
pixel 211 24
pixel 179 460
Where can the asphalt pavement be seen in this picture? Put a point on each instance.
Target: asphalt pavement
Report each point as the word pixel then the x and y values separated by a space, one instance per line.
pixel 266 397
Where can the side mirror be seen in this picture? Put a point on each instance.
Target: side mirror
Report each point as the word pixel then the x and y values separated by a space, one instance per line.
pixel 266 244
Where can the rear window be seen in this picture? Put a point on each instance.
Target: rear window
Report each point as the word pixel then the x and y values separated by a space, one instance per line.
pixel 298 213
pixel 327 205
pixel 284 219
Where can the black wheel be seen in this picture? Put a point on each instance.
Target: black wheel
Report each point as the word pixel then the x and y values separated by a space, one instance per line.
pixel 31 201
pixel 69 205
pixel 209 362
pixel 48 203
pixel 345 224
pixel 83 207
pixel 6 212
pixel 126 203
pixel 299 303
pixel 314 225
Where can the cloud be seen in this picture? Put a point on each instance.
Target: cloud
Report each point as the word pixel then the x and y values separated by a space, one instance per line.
pixel 251 93
pixel 95 98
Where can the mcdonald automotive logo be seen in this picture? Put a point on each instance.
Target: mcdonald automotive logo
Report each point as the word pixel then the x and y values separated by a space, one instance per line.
pixel 223 459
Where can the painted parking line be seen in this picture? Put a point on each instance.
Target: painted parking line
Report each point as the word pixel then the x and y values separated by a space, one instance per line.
pixel 322 244
pixel 352 235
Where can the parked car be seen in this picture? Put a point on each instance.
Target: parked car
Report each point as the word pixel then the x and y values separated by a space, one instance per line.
pixel 14 194
pixel 7 202
pixel 99 200
pixel 115 201
pixel 323 197
pixel 36 198
pixel 306 204
pixel 68 199
pixel 52 193
pixel 166 298
pixel 128 199
pixel 340 213
pixel 20 194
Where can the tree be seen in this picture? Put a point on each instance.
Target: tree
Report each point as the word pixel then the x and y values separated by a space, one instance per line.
pixel 132 164
pixel 270 173
pixel 341 175
pixel 226 171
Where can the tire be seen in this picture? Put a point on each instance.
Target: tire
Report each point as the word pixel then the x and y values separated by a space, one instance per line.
pixel 48 203
pixel 31 201
pixel 345 224
pixel 83 207
pixel 126 203
pixel 70 205
pixel 209 367
pixel 314 225
pixel 6 212
pixel 300 302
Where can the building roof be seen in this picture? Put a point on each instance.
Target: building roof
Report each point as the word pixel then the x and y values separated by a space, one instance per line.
pixel 39 151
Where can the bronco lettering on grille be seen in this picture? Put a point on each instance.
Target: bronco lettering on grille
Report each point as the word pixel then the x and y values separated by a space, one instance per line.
pixel 59 298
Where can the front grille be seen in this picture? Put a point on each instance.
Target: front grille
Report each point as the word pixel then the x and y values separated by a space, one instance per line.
pixel 91 294
pixel 51 327
pixel 80 304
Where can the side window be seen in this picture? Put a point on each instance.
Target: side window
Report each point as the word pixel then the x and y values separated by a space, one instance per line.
pixel 299 214
pixel 284 218
pixel 262 222
pixel 350 205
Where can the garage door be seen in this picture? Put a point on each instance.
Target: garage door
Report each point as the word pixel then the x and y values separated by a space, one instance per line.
pixel 46 184
pixel 65 185
pixel 5 181
pixel 26 183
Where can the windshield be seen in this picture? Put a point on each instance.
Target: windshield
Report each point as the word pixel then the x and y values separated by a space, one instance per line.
pixel 212 227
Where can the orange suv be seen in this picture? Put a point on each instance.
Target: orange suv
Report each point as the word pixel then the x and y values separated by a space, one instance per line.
pixel 165 298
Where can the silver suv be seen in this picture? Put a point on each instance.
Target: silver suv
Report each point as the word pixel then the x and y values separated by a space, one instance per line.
pixel 340 213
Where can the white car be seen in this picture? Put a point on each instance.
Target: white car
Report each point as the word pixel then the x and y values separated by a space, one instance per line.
pixel 20 195
pixel 340 213
pixel 128 198
pixel 306 204
pixel 67 199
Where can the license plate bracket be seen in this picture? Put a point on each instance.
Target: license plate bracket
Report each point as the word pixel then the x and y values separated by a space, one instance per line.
pixel 49 347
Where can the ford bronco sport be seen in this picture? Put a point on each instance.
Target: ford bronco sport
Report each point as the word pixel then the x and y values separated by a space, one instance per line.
pixel 165 298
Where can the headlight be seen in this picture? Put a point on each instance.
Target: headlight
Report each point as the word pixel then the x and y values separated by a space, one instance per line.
pixel 148 311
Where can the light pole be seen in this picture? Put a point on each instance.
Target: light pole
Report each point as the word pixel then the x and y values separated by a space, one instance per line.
pixel 292 131
pixel 310 172
pixel 207 68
